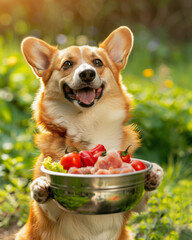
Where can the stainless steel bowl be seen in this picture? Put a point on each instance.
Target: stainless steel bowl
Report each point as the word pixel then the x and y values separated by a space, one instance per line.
pixel 98 194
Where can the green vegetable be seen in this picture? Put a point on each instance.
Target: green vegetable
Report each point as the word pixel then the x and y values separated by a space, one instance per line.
pixel 53 166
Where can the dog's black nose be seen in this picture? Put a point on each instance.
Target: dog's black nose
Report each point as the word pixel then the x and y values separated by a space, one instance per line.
pixel 87 75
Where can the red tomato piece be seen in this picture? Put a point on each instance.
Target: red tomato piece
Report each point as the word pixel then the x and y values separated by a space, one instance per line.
pixel 137 165
pixel 71 160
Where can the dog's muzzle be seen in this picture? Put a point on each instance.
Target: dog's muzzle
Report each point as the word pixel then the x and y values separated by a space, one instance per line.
pixel 85 97
pixel 86 87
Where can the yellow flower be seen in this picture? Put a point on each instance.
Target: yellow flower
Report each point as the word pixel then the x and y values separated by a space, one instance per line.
pixel 148 72
pixel 12 60
pixel 168 83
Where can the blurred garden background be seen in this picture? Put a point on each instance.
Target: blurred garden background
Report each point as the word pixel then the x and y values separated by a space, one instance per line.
pixel 158 74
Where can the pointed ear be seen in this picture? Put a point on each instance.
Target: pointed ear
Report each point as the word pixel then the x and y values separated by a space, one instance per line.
pixel 118 45
pixel 38 54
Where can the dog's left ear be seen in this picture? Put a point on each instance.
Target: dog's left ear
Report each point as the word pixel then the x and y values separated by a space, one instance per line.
pixel 118 45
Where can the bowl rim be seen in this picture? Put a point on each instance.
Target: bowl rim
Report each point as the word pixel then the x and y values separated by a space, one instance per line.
pixel 43 169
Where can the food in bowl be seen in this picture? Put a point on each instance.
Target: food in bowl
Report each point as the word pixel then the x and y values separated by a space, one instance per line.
pixel 97 194
pixel 105 181
pixel 96 161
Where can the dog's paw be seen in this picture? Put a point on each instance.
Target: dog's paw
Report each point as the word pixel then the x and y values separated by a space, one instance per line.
pixel 40 189
pixel 154 178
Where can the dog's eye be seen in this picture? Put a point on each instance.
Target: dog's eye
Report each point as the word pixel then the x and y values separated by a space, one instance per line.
pixel 97 62
pixel 67 64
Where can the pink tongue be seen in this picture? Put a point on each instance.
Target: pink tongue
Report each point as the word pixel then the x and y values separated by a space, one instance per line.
pixel 86 96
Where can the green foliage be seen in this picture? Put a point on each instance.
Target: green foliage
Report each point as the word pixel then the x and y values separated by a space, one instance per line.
pixel 169 215
pixel 14 200
pixel 164 118
pixel 16 136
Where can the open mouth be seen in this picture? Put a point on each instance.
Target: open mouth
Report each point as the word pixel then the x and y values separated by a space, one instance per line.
pixel 84 96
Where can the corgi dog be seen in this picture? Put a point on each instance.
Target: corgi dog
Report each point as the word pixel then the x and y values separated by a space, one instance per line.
pixel 81 102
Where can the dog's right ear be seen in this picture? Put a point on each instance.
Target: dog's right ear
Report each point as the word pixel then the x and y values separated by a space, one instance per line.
pixel 38 54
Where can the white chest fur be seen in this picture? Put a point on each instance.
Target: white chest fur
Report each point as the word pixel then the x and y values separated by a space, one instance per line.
pixel 98 125
pixel 80 227
pixel 69 226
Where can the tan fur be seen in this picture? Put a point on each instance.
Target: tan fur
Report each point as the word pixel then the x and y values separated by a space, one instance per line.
pixel 62 124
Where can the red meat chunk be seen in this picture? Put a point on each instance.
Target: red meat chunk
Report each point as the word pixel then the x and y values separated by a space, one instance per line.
pixel 83 170
pixel 75 170
pixel 125 165
pixel 102 172
pixel 127 169
pixel 115 171
pixel 110 164
pixel 112 160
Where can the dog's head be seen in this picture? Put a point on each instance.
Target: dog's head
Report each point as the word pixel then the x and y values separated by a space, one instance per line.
pixel 80 76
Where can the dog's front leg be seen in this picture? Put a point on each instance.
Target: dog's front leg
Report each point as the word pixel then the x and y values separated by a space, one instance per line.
pixel 41 193
pixel 40 190
pixel 154 179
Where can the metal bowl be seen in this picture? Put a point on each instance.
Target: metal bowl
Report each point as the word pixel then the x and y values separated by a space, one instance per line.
pixel 98 194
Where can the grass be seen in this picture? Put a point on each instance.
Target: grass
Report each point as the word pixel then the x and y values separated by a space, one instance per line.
pixel 169 210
